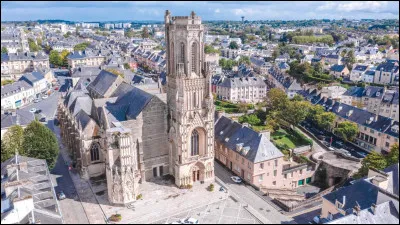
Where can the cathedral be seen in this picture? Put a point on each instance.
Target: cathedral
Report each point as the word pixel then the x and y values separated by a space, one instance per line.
pixel 131 135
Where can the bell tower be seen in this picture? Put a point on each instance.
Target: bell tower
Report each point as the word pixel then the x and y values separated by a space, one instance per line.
pixel 189 100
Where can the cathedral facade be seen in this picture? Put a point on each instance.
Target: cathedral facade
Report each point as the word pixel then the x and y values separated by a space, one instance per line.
pixel 131 135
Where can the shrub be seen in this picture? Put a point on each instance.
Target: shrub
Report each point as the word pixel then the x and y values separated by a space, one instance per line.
pixel 211 187
pixel 139 197
pixel 189 186
pixel 116 217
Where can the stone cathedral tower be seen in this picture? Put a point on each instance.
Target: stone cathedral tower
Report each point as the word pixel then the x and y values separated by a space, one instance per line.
pixel 189 100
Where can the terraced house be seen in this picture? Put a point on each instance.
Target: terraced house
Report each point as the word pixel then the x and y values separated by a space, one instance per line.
pixel 85 58
pixel 13 65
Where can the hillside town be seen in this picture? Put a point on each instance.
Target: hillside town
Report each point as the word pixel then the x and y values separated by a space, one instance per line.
pixel 191 120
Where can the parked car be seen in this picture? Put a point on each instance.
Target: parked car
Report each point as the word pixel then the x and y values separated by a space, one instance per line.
pixel 43 119
pixel 45 96
pixel 339 143
pixel 236 179
pixel 56 88
pixel 331 148
pixel 36 100
pixel 61 195
pixel 321 137
pixel 344 151
pixel 38 111
pixel 190 221
pixel 33 110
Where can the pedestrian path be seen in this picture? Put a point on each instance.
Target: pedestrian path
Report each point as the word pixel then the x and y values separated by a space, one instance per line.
pixel 92 208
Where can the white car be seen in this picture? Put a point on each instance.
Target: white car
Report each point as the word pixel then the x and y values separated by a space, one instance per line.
pixel 33 110
pixel 36 100
pixel 331 149
pixel 236 179
pixel 45 96
pixel 190 221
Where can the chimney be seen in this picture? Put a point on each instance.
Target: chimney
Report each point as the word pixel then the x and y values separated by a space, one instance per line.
pixel 373 208
pixel 356 210
pixel 344 201
pixel 245 124
pixel 376 117
pixel 349 112
pixel 340 108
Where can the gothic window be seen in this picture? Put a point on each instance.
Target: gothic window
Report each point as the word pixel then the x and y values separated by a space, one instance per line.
pixel 195 143
pixel 94 153
pixel 182 54
pixel 194 57
pixel 194 100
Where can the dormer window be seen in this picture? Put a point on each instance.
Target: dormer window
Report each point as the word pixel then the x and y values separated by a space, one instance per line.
pixel 377 94
pixel 395 129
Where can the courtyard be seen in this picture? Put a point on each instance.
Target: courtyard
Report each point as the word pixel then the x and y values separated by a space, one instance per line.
pixel 162 200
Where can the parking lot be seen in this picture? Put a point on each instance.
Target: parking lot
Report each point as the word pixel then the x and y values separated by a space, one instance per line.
pixel 227 211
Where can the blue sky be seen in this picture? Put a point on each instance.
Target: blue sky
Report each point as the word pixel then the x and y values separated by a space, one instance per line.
pixel 217 10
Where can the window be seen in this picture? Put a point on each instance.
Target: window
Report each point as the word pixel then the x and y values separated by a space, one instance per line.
pixel 248 165
pixel 301 171
pixel 242 161
pixel 388 137
pixel 194 57
pixel 182 55
pixel 372 131
pixel 195 143
pixel 261 166
pixel 274 183
pixel 285 176
pixel 387 144
pixel 237 157
pixel 275 172
pixel 276 162
pixel 94 153
pixel 194 100
pixel 260 178
pixel 248 176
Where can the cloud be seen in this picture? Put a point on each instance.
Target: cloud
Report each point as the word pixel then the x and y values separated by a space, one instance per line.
pixel 228 10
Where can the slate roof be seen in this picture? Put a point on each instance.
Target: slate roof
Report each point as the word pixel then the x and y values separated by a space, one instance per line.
pixel 255 147
pixel 388 66
pixel 24 56
pixel 361 68
pixel 361 193
pixel 393 185
pixel 102 82
pixel 32 77
pixel 11 89
pixel 242 82
pixel 337 68
pixel 85 71
pixel 360 116
pixel 385 213
pixel 9 120
pixel 129 104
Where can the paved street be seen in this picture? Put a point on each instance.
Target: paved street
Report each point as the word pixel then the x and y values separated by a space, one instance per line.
pixel 71 207
pixel 247 196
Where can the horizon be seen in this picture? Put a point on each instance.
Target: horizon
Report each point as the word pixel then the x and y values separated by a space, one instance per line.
pixel 88 11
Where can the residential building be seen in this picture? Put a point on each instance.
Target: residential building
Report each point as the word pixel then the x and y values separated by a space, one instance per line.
pixel 333 59
pixel 15 117
pixel 387 73
pixel 370 200
pixel 339 71
pixel 243 89
pixel 27 192
pixel 230 53
pixel 252 156
pixel 358 72
pixel 85 58
pixel 375 133
pixel 277 79
pixel 14 65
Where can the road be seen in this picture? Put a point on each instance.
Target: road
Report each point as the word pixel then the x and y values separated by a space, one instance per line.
pixel 250 198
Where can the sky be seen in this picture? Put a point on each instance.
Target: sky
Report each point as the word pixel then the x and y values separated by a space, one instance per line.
pixel 208 10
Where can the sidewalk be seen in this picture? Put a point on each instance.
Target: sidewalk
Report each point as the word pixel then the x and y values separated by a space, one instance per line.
pixel 88 199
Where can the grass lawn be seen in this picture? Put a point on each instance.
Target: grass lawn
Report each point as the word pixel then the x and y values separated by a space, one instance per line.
pixel 285 138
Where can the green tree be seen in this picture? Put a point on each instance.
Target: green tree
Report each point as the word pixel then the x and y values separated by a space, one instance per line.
pixel 33 47
pixel 351 59
pixel 12 142
pixel 347 130
pixel 40 142
pixel 251 119
pixel 39 41
pixel 325 120
pixel 393 156
pixel 145 32
pixel 54 58
pixel 297 98
pixel 68 34
pixel 233 45
pixel 127 66
pixel 210 50
pixel 4 50
pixel 372 160
pixel 296 111
pixel 63 58
pixel 81 46
pixel 244 60
pixel 129 33
pixel 277 99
